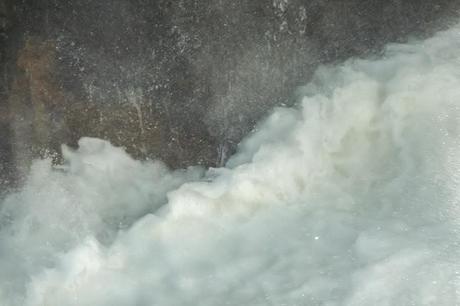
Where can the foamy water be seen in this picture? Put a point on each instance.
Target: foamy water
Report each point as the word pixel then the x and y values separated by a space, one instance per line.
pixel 351 198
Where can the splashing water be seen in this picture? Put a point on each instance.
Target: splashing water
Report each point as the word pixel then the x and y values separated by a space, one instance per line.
pixel 352 198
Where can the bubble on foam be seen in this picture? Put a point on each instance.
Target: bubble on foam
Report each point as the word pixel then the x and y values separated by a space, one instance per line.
pixel 349 199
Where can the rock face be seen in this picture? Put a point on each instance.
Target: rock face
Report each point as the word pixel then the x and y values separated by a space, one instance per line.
pixel 179 80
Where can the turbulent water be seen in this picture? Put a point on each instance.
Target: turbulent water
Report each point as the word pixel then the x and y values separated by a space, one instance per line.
pixel 350 198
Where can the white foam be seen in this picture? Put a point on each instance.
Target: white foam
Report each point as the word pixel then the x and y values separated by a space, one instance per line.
pixel 349 199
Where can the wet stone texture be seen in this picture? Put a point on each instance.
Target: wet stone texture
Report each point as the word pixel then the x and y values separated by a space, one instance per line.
pixel 182 81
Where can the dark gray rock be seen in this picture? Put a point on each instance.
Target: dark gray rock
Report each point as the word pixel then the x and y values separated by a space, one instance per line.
pixel 182 81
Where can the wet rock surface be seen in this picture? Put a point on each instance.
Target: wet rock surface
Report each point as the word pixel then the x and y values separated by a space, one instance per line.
pixel 182 81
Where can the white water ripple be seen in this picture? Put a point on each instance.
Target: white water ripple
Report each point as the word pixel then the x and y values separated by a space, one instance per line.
pixel 351 198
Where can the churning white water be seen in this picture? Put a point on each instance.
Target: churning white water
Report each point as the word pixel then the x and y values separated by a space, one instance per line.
pixel 351 198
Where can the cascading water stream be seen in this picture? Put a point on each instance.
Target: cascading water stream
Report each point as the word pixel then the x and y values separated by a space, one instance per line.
pixel 350 198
